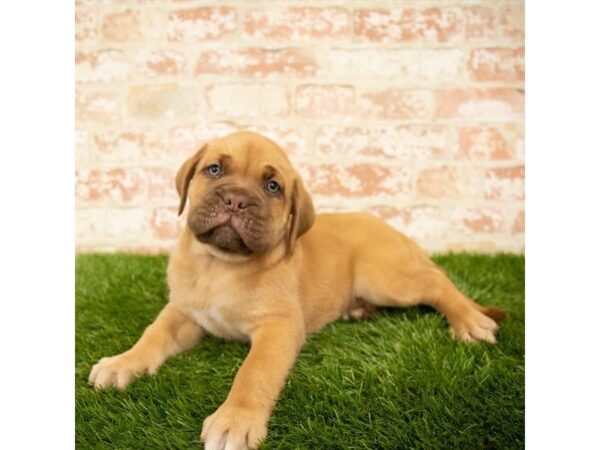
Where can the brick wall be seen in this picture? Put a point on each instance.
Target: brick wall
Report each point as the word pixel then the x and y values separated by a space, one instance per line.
pixel 413 110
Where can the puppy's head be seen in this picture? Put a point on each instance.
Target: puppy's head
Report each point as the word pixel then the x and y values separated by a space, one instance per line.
pixel 245 198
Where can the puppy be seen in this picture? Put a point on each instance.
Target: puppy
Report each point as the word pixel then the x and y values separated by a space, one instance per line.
pixel 255 264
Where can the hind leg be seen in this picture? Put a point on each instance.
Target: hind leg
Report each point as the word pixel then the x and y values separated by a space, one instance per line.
pixel 422 282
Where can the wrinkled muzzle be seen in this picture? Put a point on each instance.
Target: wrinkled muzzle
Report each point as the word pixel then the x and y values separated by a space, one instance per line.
pixel 231 219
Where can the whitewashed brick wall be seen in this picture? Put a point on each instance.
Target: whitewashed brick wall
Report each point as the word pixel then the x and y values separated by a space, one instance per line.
pixel 411 109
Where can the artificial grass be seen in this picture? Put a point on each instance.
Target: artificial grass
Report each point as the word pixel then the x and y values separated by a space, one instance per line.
pixel 395 381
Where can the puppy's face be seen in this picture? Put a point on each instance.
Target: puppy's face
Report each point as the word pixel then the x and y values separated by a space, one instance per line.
pixel 245 198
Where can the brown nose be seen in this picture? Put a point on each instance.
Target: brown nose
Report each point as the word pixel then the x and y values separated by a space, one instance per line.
pixel 235 202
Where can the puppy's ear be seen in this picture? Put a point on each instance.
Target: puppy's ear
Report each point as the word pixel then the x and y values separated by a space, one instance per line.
pixel 302 214
pixel 185 175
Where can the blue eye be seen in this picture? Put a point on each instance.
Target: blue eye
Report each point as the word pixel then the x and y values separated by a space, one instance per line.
pixel 272 187
pixel 214 170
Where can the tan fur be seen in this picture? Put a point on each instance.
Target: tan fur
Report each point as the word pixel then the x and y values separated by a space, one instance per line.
pixel 314 271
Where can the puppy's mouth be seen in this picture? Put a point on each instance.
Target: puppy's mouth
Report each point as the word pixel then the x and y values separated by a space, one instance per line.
pixel 229 232
pixel 225 238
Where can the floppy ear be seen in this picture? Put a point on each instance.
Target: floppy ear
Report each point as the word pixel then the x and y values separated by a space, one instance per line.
pixel 302 212
pixel 185 175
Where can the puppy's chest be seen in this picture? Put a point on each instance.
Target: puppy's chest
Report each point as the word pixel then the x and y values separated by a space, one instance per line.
pixel 217 306
pixel 216 322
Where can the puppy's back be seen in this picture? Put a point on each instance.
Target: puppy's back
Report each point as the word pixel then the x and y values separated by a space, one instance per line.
pixel 336 250
pixel 359 232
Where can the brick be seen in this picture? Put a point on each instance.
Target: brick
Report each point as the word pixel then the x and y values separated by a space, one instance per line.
pixel 357 180
pixel 183 140
pixel 160 62
pixel 117 186
pixel 117 146
pixel 499 22
pixel 334 142
pixel 499 104
pixel 409 65
pixel 249 100
pixel 405 142
pixel 518 225
pixel 297 23
pixel 86 25
pixel 485 246
pixel 480 23
pixel 520 145
pixel 105 226
pixel 511 21
pixel 165 224
pixel 121 26
pixel 256 62
pixel 483 143
pixel 201 24
pixel 396 104
pixel 448 182
pixel 101 66
pixel 505 183
pixel 483 220
pixel 430 25
pixel 313 101
pixel 105 107
pixel 160 248
pixel 420 222
pixel 161 185
pixel 133 25
pixel 163 101
pixel 289 139
pixel 497 64
pixel 83 149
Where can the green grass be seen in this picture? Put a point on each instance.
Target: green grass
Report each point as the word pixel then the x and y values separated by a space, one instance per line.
pixel 395 381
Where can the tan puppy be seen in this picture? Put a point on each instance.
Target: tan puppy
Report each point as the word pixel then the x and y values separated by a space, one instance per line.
pixel 255 264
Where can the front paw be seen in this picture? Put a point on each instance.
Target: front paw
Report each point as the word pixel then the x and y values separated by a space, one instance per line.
pixel 234 428
pixel 118 370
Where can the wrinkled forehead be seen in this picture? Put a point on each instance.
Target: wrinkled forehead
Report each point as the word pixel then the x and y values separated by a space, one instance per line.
pixel 247 154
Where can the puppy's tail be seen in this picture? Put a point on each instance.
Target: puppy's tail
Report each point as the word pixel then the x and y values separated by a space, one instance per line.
pixel 497 314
